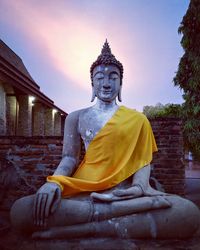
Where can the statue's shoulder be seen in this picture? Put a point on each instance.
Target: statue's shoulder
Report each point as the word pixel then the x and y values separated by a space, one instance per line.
pixel 76 115
pixel 136 114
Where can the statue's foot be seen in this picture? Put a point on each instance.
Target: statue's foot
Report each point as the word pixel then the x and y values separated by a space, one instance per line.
pixel 160 202
pixel 134 191
pixel 119 194
pixel 109 197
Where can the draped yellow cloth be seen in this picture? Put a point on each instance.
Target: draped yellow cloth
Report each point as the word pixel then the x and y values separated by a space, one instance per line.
pixel 123 146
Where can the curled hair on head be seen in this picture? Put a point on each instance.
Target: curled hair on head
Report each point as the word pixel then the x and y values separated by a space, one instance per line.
pixel 107 58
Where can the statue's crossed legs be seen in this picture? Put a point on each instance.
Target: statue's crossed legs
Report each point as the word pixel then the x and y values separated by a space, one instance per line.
pixel 162 217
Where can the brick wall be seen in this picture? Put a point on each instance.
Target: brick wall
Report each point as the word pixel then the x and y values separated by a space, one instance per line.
pixel 26 161
pixel 168 163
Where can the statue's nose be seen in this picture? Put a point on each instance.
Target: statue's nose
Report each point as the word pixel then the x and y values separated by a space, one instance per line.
pixel 106 86
pixel 106 83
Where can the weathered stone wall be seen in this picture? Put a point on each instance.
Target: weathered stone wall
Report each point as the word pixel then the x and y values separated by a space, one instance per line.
pixel 168 163
pixel 26 161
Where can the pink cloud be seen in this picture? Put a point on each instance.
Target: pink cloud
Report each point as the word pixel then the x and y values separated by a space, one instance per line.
pixel 70 34
pixel 70 43
pixel 68 37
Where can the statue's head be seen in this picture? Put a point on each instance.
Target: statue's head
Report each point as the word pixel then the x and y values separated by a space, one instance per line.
pixel 106 76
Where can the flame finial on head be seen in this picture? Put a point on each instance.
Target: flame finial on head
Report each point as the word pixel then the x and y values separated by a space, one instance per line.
pixel 106 57
pixel 106 49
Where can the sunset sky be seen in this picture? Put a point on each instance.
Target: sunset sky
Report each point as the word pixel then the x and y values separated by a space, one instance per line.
pixel 59 40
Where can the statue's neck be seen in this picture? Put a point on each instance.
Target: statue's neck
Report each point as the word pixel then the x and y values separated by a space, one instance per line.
pixel 105 106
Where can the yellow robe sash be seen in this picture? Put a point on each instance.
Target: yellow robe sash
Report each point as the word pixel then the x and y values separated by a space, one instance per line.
pixel 123 146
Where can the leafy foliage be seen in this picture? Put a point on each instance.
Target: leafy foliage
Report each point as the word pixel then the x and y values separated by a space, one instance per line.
pixel 188 76
pixel 160 110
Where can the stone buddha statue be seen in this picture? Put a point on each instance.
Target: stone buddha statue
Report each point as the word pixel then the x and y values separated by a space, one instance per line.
pixel 108 194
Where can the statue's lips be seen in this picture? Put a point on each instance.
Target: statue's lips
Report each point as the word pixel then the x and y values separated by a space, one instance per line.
pixel 106 92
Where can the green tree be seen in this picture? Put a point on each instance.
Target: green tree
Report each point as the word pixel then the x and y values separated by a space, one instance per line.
pixel 188 76
pixel 160 110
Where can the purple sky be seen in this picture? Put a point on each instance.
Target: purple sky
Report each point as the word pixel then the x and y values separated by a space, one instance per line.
pixel 59 40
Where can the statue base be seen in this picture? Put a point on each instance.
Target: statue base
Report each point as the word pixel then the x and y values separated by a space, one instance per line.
pixel 80 244
pixel 100 244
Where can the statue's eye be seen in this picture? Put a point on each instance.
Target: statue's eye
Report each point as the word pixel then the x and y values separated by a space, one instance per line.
pixel 99 77
pixel 114 77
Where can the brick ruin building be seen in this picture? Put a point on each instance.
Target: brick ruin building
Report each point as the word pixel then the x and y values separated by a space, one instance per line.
pixel 31 133
pixel 24 109
pixel 27 119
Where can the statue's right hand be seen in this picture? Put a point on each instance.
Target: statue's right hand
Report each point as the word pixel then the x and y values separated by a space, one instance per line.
pixel 46 201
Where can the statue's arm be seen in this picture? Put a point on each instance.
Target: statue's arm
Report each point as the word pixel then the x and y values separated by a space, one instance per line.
pixel 140 184
pixel 48 196
pixel 71 146
pixel 141 178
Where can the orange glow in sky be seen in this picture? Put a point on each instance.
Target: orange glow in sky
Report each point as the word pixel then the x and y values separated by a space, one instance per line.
pixel 67 36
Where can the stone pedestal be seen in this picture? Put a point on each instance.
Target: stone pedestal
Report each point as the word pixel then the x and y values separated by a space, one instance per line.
pixel 79 244
pixel 17 243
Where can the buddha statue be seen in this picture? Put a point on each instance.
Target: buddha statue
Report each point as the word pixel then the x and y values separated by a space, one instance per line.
pixel 108 194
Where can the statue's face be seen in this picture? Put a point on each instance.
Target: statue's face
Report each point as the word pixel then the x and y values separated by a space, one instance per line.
pixel 106 82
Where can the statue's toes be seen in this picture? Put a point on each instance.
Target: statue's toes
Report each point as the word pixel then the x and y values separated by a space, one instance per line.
pixel 161 201
pixel 120 192
pixel 134 192
pixel 102 197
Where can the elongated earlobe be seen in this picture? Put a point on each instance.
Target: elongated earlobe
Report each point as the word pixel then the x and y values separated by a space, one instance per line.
pixel 120 95
pixel 93 95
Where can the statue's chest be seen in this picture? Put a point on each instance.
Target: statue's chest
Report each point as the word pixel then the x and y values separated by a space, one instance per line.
pixel 91 123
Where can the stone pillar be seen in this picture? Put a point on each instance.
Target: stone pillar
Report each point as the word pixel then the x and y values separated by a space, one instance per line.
pixel 11 114
pixel 49 122
pixel 38 119
pixel 57 124
pixel 24 127
pixel 2 110
pixel 62 124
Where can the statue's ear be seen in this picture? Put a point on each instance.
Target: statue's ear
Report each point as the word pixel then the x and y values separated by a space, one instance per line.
pixel 93 94
pixel 120 94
